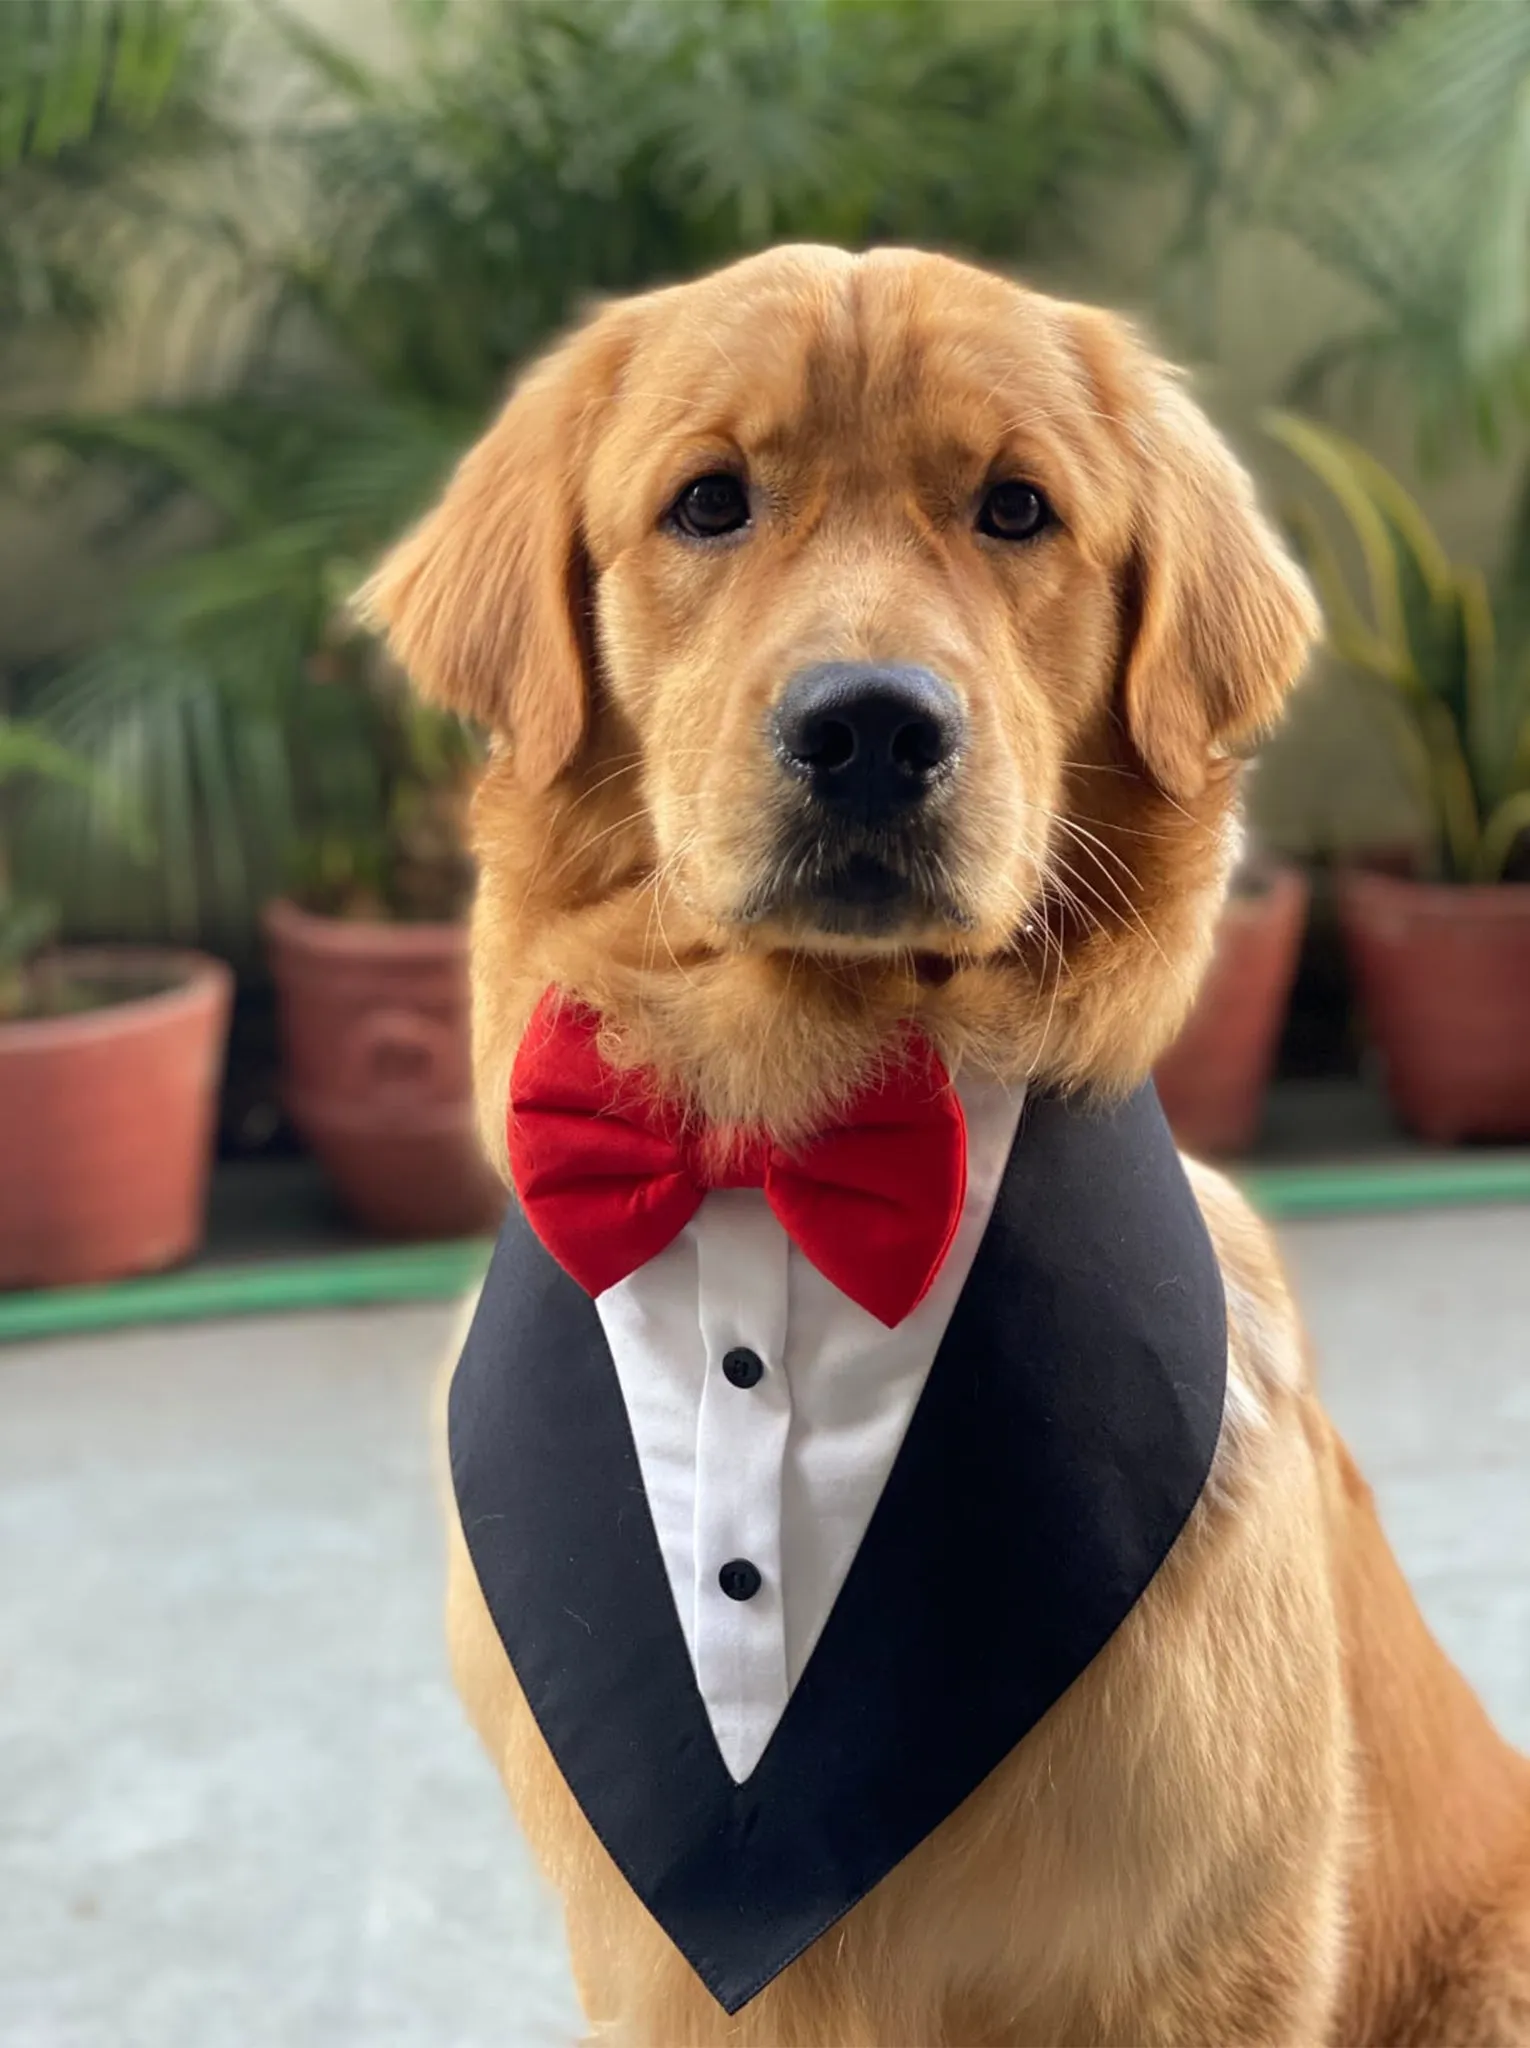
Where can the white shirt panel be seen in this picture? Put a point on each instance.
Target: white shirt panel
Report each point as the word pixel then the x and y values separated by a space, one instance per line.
pixel 739 1649
pixel 654 1332
pixel 785 1474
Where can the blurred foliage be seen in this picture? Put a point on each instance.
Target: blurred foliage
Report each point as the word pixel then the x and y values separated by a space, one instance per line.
pixel 94 94
pixel 27 922
pixel 1411 178
pixel 1452 659
pixel 395 846
pixel 1328 29
pixel 529 153
pixel 409 231
pixel 453 209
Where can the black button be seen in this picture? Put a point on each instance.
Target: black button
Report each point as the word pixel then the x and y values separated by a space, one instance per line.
pixel 739 1579
pixel 743 1368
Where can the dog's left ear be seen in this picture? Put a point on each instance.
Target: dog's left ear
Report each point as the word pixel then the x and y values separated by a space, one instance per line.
pixel 487 603
pixel 1221 618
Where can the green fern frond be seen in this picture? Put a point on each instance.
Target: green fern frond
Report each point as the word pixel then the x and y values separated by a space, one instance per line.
pixel 1413 179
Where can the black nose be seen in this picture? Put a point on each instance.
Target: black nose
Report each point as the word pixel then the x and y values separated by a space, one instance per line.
pixel 866 739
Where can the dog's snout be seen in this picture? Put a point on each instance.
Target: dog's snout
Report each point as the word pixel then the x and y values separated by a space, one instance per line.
pixel 868 739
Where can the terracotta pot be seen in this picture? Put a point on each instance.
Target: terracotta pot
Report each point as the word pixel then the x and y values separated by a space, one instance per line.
pixel 1444 980
pixel 108 1117
pixel 378 1079
pixel 1214 1077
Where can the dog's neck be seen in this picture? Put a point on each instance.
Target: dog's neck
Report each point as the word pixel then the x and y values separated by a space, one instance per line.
pixel 777 1041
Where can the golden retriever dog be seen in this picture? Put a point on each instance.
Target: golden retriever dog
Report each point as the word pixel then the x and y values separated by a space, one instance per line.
pixel 1270 1810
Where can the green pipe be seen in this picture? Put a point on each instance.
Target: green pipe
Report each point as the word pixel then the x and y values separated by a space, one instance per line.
pixel 419 1272
pixel 1284 1193
pixel 441 1272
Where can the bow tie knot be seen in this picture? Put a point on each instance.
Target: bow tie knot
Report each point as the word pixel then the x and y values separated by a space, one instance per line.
pixel 608 1173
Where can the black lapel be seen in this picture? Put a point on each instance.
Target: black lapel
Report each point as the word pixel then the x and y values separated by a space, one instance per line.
pixel 1064 1434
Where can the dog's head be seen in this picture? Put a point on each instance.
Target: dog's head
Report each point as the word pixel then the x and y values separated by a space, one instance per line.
pixel 854 613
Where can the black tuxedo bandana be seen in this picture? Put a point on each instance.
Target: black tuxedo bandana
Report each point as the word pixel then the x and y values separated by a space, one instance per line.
pixel 1063 1436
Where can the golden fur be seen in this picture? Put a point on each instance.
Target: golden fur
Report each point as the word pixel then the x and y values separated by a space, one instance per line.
pixel 1270 1811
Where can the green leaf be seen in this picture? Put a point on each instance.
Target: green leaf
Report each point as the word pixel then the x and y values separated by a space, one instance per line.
pixel 26 926
pixel 1331 458
pixel 320 55
pixel 28 750
pixel 1346 629
pixel 1461 672
pixel 1501 834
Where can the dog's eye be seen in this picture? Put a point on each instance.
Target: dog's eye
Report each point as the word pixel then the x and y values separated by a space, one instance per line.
pixel 1014 511
pixel 711 506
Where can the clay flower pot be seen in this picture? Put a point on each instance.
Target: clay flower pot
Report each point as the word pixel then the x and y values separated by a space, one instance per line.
pixel 108 1116
pixel 1444 979
pixel 1213 1079
pixel 374 1026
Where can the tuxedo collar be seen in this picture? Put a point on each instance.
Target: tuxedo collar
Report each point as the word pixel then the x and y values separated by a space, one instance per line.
pixel 1062 1439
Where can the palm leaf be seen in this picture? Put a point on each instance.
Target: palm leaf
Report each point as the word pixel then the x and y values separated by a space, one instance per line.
pixel 167 738
pixel 93 93
pixel 73 72
pixel 26 749
pixel 1413 179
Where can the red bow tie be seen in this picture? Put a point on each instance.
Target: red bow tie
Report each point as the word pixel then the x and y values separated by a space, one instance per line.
pixel 608 1174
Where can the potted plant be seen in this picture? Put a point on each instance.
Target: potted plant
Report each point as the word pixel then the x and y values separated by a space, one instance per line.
pixel 449 209
pixel 369 955
pixel 1214 1078
pixel 1441 956
pixel 109 1066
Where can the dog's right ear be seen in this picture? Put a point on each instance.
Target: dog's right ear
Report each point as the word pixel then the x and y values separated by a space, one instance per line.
pixel 487 603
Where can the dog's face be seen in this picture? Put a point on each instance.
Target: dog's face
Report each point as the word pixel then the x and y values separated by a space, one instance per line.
pixel 849 571
pixel 854 526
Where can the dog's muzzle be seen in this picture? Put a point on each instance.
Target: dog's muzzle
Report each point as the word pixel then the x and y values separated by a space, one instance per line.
pixel 871 749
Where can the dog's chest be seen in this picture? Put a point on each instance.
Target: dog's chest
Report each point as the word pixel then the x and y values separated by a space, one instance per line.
pixel 979 1538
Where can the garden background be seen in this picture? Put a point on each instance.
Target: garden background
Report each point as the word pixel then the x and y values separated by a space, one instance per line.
pixel 264 269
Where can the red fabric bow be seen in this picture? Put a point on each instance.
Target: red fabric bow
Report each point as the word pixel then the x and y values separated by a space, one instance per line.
pixel 608 1174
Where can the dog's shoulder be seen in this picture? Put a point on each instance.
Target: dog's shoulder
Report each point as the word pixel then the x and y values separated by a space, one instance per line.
pixel 1268 1364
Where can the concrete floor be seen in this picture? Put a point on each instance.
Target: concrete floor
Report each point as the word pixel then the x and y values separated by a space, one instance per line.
pixel 238 1806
